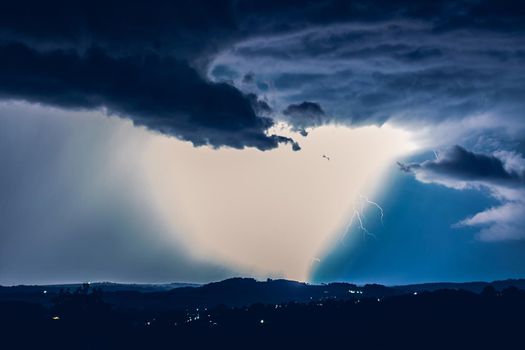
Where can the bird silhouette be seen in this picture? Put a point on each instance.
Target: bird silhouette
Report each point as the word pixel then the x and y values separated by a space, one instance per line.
pixel 403 167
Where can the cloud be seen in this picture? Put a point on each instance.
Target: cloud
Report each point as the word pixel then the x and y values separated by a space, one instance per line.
pixel 424 66
pixel 399 54
pixel 304 115
pixel 161 93
pixel 459 165
pixel 148 69
pixel 506 222
pixel 502 174
pixel 248 78
pixel 260 106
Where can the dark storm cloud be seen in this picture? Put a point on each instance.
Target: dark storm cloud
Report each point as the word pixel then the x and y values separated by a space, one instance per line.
pixel 460 164
pixel 296 80
pixel 305 114
pixel 404 74
pixel 145 60
pixel 261 107
pixel 248 78
pixel 403 62
pixel 141 61
pixel 187 28
pixel 505 15
pixel 159 92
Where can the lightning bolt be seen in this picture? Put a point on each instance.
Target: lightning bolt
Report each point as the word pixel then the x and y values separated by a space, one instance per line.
pixel 365 198
pixel 358 216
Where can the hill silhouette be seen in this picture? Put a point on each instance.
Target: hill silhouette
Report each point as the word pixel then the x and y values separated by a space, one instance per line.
pixel 245 313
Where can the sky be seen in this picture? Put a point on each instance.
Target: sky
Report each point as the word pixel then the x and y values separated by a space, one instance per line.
pixel 192 141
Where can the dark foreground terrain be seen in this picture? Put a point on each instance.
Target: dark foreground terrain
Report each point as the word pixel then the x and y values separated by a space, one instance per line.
pixel 243 313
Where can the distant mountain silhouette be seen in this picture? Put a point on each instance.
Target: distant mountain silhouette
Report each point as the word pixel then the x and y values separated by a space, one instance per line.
pixel 104 286
pixel 240 291
pixel 475 287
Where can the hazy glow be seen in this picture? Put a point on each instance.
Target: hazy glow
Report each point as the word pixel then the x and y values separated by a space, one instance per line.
pixel 267 213
pixel 111 201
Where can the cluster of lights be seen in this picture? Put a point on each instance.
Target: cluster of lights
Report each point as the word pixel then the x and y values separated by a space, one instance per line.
pixel 190 319
pixel 196 316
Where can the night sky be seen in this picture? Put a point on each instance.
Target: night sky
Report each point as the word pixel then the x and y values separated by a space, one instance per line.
pixel 362 141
